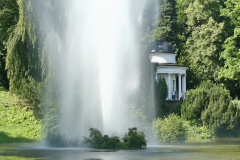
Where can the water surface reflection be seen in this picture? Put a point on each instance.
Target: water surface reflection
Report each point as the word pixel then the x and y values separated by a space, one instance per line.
pixel 222 150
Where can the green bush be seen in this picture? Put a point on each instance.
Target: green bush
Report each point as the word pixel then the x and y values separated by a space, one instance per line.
pixel 170 129
pixel 95 139
pixel 134 140
pixel 131 140
pixel 222 120
pixel 198 134
pixel 196 101
pixel 212 106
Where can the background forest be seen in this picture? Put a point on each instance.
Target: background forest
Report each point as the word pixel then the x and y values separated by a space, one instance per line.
pixel 205 35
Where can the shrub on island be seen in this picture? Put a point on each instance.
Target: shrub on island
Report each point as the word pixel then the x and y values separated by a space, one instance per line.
pixel 132 140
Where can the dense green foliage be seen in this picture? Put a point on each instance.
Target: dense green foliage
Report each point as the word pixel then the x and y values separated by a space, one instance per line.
pixel 167 23
pixel 28 67
pixel 173 129
pixel 17 123
pixel 203 46
pixel 22 61
pixel 132 140
pixel 204 34
pixel 230 72
pixel 9 14
pixel 208 31
pixel 221 119
pixel 51 128
pixel 201 31
pixel 198 133
pixel 170 129
pixel 161 93
pixel 212 106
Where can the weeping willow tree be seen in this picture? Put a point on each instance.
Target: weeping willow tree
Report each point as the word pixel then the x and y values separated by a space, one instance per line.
pixel 22 61
pixel 8 18
pixel 27 48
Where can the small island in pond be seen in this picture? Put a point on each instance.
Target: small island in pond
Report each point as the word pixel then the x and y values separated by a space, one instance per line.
pixel 131 140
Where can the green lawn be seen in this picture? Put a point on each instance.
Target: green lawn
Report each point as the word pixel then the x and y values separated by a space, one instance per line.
pixel 17 122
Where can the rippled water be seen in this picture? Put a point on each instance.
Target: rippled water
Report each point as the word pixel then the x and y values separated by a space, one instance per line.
pixel 222 150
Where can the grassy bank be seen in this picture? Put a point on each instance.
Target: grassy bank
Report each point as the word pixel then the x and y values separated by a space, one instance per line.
pixel 17 122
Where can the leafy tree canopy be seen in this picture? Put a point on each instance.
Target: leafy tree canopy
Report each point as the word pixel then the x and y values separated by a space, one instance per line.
pixel 204 42
pixel 231 54
pixel 203 50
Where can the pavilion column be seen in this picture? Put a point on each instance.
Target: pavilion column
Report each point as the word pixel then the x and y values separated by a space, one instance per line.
pixel 156 76
pixel 179 85
pixel 184 85
pixel 169 86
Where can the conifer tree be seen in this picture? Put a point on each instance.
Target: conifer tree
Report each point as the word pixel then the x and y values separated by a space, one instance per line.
pixel 167 23
pixel 161 93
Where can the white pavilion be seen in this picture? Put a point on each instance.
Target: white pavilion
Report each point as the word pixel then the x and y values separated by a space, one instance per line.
pixel 164 59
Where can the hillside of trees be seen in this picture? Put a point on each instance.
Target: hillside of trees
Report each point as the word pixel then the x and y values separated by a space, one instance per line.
pixel 205 35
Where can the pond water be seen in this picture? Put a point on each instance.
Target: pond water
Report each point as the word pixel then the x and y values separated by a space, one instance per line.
pixel 221 150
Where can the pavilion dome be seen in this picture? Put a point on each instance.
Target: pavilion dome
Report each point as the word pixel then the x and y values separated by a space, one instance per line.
pixel 160 47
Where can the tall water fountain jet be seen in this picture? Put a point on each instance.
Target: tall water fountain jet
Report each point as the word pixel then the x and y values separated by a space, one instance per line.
pixel 98 70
